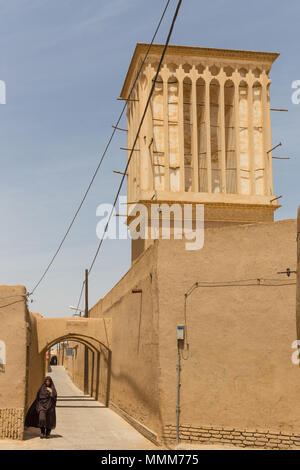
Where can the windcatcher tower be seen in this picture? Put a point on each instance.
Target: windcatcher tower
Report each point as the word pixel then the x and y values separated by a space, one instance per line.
pixel 207 134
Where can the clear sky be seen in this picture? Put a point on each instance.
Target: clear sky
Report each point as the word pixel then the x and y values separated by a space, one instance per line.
pixel 64 62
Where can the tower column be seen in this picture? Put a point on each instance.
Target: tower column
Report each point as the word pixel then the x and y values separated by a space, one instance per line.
pixel 137 152
pixel 130 172
pixel 143 155
pixel 251 133
pixel 267 139
pixel 149 126
pixel 165 77
pixel 180 78
pixel 194 146
pixel 236 82
pixel 222 133
pixel 134 160
pixel 207 79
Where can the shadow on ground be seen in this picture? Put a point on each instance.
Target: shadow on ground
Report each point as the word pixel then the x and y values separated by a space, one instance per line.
pixel 33 433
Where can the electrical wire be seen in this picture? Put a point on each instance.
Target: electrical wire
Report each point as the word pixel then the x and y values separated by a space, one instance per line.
pixel 236 283
pixel 135 140
pixel 102 157
pixel 222 283
pixel 247 285
pixel 13 296
pixel 12 303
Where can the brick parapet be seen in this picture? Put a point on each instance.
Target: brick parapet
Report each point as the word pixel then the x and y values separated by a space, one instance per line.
pixel 232 436
pixel 11 423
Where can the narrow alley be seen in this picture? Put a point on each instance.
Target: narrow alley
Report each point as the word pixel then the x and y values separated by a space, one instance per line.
pixel 82 424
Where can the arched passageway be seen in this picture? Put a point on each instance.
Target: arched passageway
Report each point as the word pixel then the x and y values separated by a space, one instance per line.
pixel 95 335
pixel 94 330
pixel 98 366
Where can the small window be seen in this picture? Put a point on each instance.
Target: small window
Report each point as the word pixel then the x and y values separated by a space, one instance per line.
pixel 2 356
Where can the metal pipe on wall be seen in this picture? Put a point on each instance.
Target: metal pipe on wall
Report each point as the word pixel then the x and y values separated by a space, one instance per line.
pixel 86 352
pixel 298 273
pixel 178 393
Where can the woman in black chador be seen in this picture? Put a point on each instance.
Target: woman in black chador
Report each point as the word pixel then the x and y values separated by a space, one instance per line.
pixel 41 414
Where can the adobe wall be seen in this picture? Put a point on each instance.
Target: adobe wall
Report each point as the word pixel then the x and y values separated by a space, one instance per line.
pixel 74 365
pixel 135 369
pixel 97 370
pixel 238 383
pixel 36 361
pixel 13 332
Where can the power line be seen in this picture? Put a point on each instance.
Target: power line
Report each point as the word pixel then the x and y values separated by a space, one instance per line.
pixel 136 138
pixel 139 130
pixel 12 303
pixel 233 283
pixel 260 282
pixel 80 296
pixel 13 296
pixel 115 128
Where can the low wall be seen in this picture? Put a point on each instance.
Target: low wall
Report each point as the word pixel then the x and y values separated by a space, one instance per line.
pixel 13 384
pixel 11 423
pixel 266 439
pixel 22 373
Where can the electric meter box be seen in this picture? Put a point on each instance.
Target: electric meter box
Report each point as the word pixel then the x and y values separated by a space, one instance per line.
pixel 180 332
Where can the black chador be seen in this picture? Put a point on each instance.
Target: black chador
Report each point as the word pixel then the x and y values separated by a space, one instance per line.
pixel 42 414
